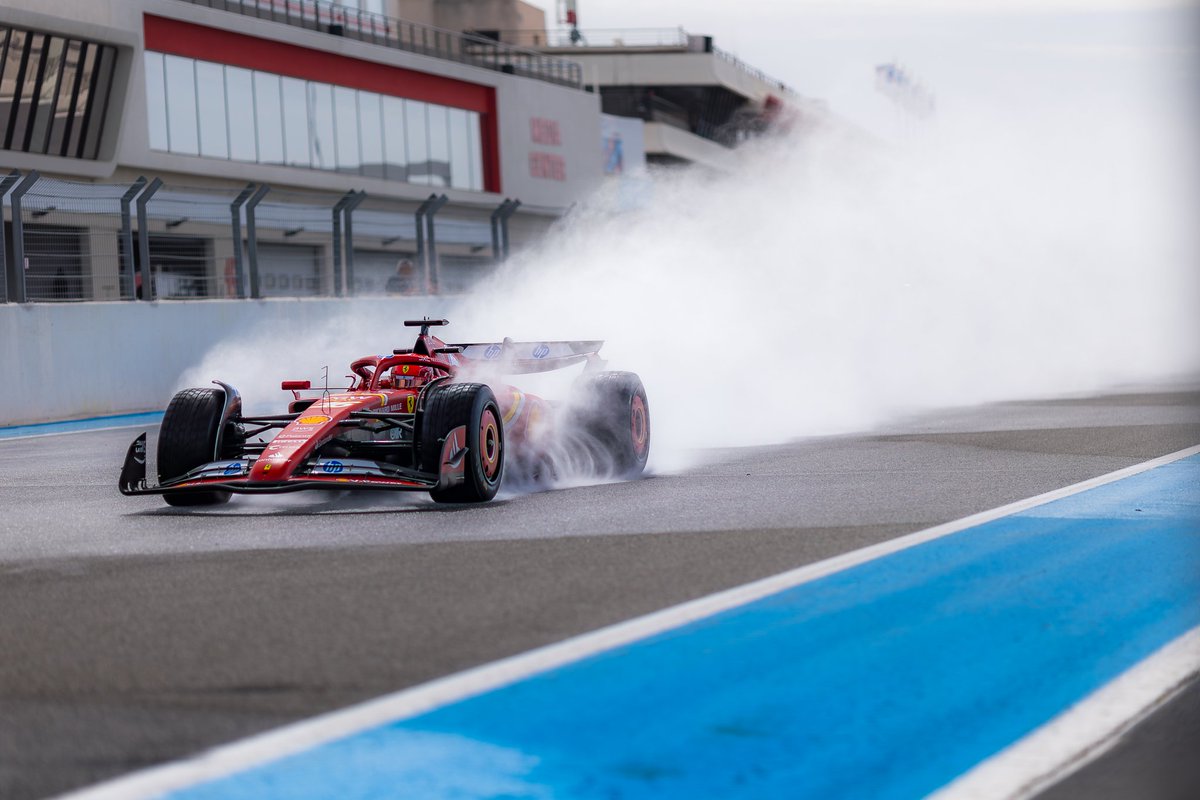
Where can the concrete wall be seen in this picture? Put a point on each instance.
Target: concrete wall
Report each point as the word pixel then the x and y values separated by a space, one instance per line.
pixel 421 11
pixel 530 17
pixel 65 361
pixel 576 118
pixel 663 139
pixel 470 15
pixel 673 69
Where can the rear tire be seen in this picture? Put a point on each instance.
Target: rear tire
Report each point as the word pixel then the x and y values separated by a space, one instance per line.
pixel 612 409
pixel 474 406
pixel 187 439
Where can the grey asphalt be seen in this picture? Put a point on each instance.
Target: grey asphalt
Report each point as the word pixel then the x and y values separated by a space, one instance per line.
pixel 1157 759
pixel 134 633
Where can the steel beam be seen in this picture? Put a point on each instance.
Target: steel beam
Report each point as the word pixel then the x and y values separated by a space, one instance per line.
pixel 422 257
pixel 239 263
pixel 353 202
pixel 6 183
pixel 500 248
pixel 432 265
pixel 16 271
pixel 338 282
pixel 125 269
pixel 144 241
pixel 252 238
pixel 512 209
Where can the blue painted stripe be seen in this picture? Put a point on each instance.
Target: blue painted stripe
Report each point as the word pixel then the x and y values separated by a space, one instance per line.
pixel 79 425
pixel 886 680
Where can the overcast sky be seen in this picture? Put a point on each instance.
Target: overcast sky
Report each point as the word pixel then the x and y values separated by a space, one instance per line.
pixel 967 52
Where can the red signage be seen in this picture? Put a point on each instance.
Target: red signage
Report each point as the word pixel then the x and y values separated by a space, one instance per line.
pixel 547 165
pixel 544 131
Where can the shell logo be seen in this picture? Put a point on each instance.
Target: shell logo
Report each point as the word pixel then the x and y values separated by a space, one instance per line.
pixel 313 419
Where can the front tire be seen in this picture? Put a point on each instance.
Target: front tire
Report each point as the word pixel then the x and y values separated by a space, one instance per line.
pixel 473 406
pixel 187 439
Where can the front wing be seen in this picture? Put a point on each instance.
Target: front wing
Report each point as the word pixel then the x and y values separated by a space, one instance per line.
pixel 322 473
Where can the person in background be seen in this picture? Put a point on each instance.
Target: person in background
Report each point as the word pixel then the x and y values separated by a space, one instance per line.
pixel 405 279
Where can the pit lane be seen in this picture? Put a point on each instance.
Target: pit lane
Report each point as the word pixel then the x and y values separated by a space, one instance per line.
pixel 135 633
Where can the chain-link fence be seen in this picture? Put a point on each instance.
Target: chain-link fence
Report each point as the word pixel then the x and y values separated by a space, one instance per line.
pixel 186 244
pixel 150 240
pixel 446 251
pixel 295 244
pixel 71 243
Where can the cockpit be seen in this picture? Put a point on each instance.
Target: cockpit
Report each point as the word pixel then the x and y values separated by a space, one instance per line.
pixel 405 376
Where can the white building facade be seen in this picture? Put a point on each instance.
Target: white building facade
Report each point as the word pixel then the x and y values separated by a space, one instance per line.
pixel 311 99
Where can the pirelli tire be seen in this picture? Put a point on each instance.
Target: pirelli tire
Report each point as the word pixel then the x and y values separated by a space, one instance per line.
pixel 612 409
pixel 472 405
pixel 187 439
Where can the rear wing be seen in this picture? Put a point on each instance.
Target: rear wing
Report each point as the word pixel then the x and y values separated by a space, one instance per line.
pixel 526 357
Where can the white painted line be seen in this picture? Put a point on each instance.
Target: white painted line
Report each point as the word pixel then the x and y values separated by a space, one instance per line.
pixel 24 436
pixel 307 734
pixel 1083 732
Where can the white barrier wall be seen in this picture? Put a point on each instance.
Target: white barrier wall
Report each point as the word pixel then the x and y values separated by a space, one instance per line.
pixel 67 361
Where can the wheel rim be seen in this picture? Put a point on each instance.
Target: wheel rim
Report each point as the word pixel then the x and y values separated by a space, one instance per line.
pixel 639 425
pixel 490 444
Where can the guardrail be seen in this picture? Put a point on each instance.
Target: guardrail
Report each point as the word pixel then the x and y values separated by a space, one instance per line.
pixel 598 37
pixel 365 26
pixel 634 39
pixel 753 71
pixel 151 240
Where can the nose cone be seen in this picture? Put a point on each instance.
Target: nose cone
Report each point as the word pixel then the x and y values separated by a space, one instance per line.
pixel 293 444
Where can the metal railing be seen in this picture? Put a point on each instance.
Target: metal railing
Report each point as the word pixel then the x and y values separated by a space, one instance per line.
pixel 150 240
pixel 670 38
pixel 673 39
pixel 61 256
pixel 365 26
pixel 753 72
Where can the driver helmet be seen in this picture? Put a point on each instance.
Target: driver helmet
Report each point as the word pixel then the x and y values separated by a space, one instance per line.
pixel 410 376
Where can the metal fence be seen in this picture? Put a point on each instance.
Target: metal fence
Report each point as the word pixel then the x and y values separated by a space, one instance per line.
pixel 71 241
pixel 68 242
pixel 602 39
pixel 352 23
pixel 651 38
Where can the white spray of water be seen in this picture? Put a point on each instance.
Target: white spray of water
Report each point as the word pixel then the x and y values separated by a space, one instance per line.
pixel 832 282
pixel 829 286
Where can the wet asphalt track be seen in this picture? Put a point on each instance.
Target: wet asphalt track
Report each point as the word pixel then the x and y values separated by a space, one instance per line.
pixel 133 633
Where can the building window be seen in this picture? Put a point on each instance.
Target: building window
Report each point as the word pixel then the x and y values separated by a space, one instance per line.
pixel 210 105
pixel 183 129
pixel 53 93
pixel 218 111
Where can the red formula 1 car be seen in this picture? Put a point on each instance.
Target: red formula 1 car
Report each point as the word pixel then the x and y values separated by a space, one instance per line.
pixel 431 418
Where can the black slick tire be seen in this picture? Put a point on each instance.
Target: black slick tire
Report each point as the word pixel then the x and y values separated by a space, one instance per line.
pixel 473 406
pixel 187 439
pixel 612 409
